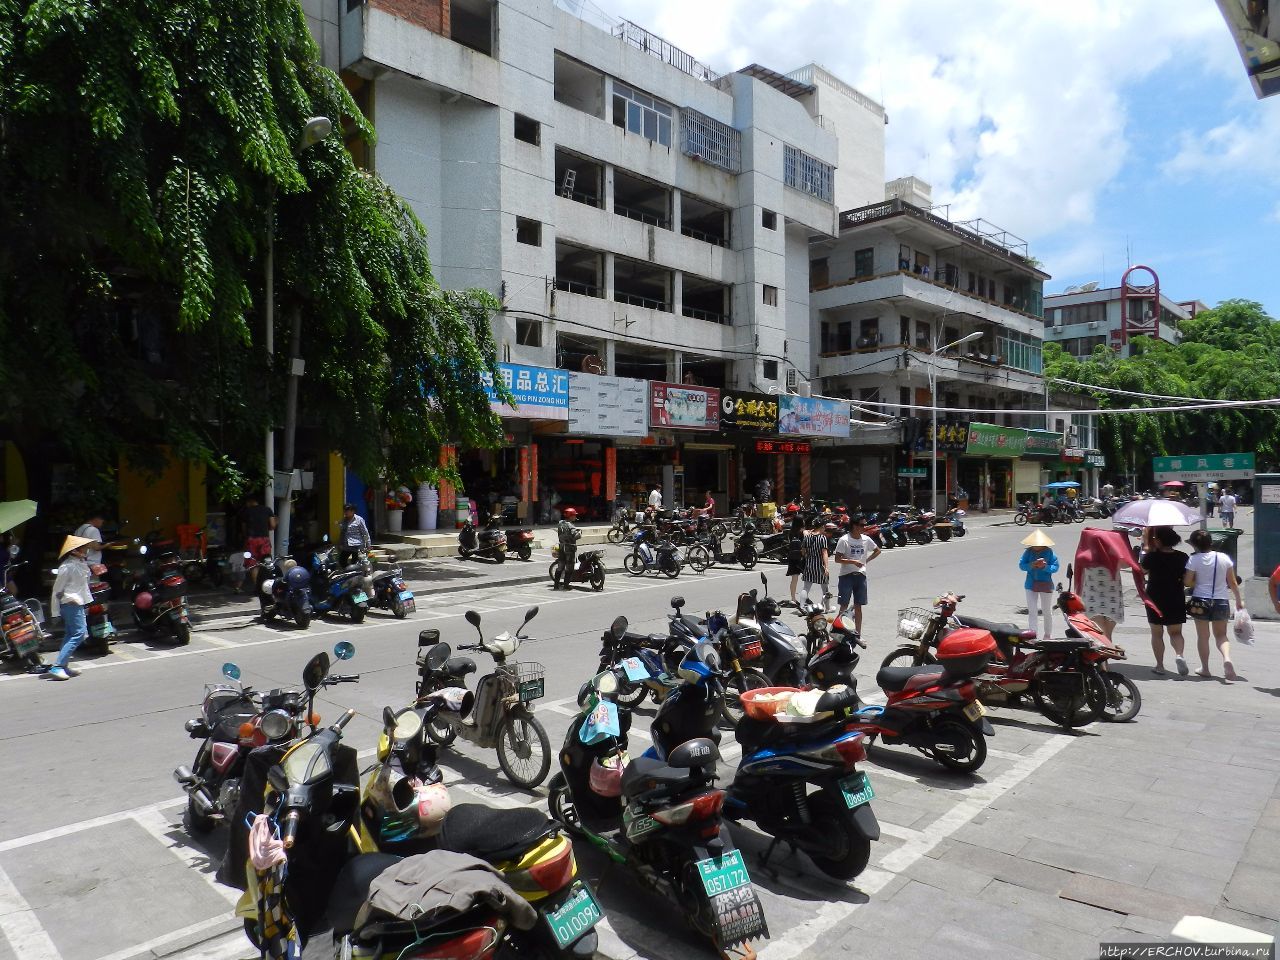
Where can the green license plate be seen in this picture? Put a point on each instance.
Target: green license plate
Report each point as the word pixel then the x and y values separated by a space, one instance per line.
pixel 721 874
pixel 575 916
pixel 532 689
pixel 857 790
pixel 359 597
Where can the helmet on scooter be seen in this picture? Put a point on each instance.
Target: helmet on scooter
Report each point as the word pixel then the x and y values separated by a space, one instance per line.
pixel 143 600
pixel 297 577
pixel 397 811
pixel 1071 603
pixel 569 513
pixel 606 776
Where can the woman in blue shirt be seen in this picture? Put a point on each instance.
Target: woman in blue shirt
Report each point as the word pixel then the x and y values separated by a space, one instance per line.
pixel 1040 564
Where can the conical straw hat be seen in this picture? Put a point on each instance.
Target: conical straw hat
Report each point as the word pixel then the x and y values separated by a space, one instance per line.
pixel 71 543
pixel 1037 538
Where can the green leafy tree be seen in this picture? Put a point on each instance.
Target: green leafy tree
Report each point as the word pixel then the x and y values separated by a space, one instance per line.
pixel 142 146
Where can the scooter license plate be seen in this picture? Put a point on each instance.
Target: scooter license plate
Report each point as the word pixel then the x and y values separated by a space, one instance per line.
pixel 578 914
pixel 359 597
pixel 974 712
pixel 405 595
pixel 857 790
pixel 722 874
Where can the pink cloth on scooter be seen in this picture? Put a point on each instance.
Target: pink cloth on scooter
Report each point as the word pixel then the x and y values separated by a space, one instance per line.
pixel 1108 550
pixel 266 850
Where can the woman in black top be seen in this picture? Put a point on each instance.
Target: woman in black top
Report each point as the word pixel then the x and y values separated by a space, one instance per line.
pixel 815 564
pixel 795 554
pixel 1165 568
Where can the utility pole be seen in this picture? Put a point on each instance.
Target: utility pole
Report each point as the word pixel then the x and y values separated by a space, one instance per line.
pixel 269 339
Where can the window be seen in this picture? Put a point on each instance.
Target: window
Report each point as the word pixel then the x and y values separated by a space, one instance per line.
pixel 868 334
pixel 529 333
pixel 904 331
pixel 771 370
pixel 527 129
pixel 640 113
pixel 768 220
pixel 1019 350
pixel 770 295
pixel 922 334
pixel 837 337
pixel 869 394
pixel 864 262
pixel 819 273
pixel 710 140
pixel 904 397
pixel 803 172
pixel 528 231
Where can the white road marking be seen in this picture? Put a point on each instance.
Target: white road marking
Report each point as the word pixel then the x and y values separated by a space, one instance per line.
pixel 186 933
pixel 1207 930
pixel 19 925
pixel 162 828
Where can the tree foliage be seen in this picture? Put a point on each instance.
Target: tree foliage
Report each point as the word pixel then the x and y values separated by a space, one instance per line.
pixel 1231 352
pixel 142 147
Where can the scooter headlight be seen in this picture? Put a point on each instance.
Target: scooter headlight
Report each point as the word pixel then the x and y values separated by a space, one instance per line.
pixel 276 724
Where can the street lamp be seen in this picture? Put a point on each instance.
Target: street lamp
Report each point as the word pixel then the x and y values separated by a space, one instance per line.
pixel 313 131
pixel 933 402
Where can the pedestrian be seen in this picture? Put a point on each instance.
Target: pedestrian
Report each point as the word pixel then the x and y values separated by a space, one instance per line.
pixel 1040 564
pixel 1165 568
pixel 1227 509
pixel 1211 575
pixel 71 596
pixel 353 535
pixel 259 521
pixel 655 498
pixel 568 535
pixel 853 553
pixel 1209 501
pixel 91 529
pixel 1274 583
pixel 815 564
pixel 1103 596
pixel 795 554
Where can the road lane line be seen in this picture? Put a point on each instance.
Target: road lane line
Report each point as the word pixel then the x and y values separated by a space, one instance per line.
pixel 163 829
pixel 20 926
pixel 67 829
pixel 219 924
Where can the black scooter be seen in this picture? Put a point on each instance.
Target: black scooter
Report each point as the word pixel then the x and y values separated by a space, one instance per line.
pixel 283 588
pixel 487 541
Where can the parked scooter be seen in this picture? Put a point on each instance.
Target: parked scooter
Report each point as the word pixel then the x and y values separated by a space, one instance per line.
pixel 283 589
pixel 487 541
pixel 338 589
pixel 589 569
pixel 520 542
pixel 951 525
pixel 502 716
pixel 644 662
pixel 21 626
pixel 784 652
pixel 160 598
pixel 647 557
pixel 235 719
pixel 390 592
pixel 97 616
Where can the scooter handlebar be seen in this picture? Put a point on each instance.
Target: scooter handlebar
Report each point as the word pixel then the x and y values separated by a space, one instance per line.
pixel 344 719
pixel 289 829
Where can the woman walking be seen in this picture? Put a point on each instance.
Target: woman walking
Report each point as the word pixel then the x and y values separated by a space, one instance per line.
pixel 71 595
pixel 1040 564
pixel 1165 568
pixel 1211 575
pixel 815 564
pixel 795 554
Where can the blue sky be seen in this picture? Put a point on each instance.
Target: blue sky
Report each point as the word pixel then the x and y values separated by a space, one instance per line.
pixel 1096 129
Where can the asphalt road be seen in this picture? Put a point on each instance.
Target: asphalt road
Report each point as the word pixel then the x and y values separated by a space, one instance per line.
pixel 90 810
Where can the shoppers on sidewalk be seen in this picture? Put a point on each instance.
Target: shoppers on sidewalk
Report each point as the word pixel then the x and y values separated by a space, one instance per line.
pixel 1211 575
pixel 815 565
pixel 1040 564
pixel 71 595
pixel 795 554
pixel 853 553
pixel 1165 568
pixel 353 535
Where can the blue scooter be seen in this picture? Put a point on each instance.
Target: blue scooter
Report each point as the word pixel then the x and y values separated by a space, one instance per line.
pixel 337 589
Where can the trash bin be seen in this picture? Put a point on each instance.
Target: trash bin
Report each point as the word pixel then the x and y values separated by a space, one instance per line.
pixel 1224 540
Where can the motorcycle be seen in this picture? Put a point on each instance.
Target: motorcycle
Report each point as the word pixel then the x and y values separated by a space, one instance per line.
pixel 235 719
pixel 660 818
pixel 589 568
pixel 769 541
pixel 663 557
pixel 337 589
pixel 1124 699
pixel 283 588
pixel 390 592
pixel 502 716
pixel 784 652
pixel 520 542
pixel 624 522
pixel 488 541
pixel 21 627
pixel 744 512
pixel 647 663
pixel 1045 513
pixel 952 525
pixel 97 616
pixel 160 598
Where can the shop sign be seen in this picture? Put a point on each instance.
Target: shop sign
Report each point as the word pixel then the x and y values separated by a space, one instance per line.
pixel 1196 468
pixel 1073 454
pixel 755 412
pixel 684 408
pixel 990 440
pixel 916 473
pixel 540 394
pixel 1093 458
pixel 953 435
pixel 812 416
pixel 1044 444
pixel 607 406
pixel 783 446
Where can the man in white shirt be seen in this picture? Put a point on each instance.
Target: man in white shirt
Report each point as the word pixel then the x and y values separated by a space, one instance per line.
pixel 1227 509
pixel 655 499
pixel 92 530
pixel 854 551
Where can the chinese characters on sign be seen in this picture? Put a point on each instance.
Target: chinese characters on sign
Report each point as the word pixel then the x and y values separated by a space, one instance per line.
pixel 540 394
pixel 754 412
pixel 682 407
pixel 990 440
pixel 607 406
pixel 783 446
pixel 812 416
pixel 952 435
pixel 1197 468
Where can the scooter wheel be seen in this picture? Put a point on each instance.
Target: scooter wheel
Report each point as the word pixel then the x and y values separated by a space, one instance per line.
pixel 597 580
pixel 633 564
pixel 847 851
pixel 615 535
pixel 197 823
pixel 1020 519
pixel 501 556
pixel 560 803
pixel 970 746
pixel 303 620
pixel 960 533
pixel 182 634
pixel 525 552
pixel 357 612
pixel 399 610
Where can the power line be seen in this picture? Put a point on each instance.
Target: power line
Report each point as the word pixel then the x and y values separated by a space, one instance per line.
pixel 1130 393
pixel 1189 408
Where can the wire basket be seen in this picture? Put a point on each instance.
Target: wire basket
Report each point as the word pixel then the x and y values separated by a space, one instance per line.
pixel 528 680
pixel 912 622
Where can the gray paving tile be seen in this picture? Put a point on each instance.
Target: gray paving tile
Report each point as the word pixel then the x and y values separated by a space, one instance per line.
pixel 1203 889
pixel 1036 906
pixel 1249 921
pixel 1002 866
pixel 1127 898
pixel 994 834
pixel 1119 866
pixel 954 942
pixel 1253 890
pixel 947 875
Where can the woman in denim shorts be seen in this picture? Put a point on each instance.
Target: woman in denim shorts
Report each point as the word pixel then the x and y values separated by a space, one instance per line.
pixel 1211 575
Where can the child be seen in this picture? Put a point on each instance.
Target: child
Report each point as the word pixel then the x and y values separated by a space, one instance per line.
pixel 1040 564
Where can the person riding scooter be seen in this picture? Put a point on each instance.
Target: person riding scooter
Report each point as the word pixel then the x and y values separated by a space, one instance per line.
pixel 568 534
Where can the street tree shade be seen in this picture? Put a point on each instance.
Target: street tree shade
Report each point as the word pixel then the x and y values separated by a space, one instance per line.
pixel 140 147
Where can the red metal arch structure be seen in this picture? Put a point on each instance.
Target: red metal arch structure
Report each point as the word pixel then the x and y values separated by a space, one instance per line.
pixel 1139 306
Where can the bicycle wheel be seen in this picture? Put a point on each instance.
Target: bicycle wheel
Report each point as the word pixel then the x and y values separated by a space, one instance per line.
pixel 524 751
pixel 1020 519
pixel 633 564
pixel 698 557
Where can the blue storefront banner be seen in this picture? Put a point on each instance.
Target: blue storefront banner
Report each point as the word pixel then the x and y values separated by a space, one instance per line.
pixel 812 416
pixel 540 394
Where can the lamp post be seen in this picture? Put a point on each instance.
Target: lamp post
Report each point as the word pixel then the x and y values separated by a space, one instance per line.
pixel 313 131
pixel 933 402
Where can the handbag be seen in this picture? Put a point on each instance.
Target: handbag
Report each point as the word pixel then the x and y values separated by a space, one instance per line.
pixel 1200 606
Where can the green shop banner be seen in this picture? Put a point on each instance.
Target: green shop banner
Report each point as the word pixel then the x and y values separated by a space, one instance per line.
pixel 989 440
pixel 1044 444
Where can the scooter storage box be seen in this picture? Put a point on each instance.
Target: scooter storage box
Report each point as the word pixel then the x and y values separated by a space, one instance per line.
pixel 966 652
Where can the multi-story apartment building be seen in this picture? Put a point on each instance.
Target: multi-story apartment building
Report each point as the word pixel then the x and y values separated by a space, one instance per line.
pixel 891 294
pixel 637 214
pixel 1083 318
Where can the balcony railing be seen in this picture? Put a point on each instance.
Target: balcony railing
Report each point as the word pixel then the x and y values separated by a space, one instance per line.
pixel 644 216
pixel 578 286
pixel 590 199
pixel 638 301
pixel 709 315
pixel 703 236
pixel 937 282
pixel 894 208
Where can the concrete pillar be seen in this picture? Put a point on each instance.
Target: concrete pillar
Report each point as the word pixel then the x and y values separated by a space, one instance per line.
pixel 609 353
pixel 608 276
pixel 675 364
pixel 677 292
pixel 675 210
pixel 608 186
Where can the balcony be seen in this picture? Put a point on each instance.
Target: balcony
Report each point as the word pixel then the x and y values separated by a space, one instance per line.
pixel 579 270
pixel 706 300
pixel 641 284
pixel 642 200
pixel 579 179
pixel 704 221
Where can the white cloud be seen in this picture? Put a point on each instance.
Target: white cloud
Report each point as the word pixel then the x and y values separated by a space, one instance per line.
pixel 1239 147
pixel 1015 112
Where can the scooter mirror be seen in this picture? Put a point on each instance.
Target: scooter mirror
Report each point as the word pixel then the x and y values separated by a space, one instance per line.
pixel 344 650
pixel 326 538
pixel 1069 571
pixel 473 618
pixel 315 671
pixel 618 628
pixel 529 615
pixel 677 602
pixel 231 671
pixel 765 580
pixel 14 549
pixel 248 555
pixel 429 637
pixel 388 718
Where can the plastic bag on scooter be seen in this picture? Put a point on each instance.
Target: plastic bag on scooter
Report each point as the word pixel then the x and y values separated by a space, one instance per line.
pixel 600 723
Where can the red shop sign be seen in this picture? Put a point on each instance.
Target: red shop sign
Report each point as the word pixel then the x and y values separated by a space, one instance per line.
pixel 782 446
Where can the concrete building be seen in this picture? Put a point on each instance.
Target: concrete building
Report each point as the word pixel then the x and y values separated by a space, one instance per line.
pixel 1081 319
pixel 900 281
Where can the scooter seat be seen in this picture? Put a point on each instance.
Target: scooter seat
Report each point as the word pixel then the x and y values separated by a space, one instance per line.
pixel 459 666
pixel 1063 645
pixel 895 679
pixel 649 776
pixel 494 835
pixel 696 624
pixel 1001 631
pixel 351 889
pixel 761 733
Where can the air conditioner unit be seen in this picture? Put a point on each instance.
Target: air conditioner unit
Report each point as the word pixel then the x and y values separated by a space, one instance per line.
pixel 1093 324
pixel 1073 434
pixel 793 379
